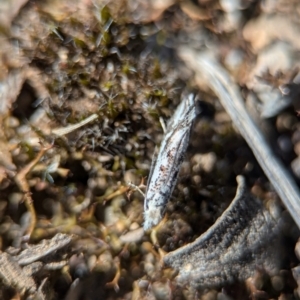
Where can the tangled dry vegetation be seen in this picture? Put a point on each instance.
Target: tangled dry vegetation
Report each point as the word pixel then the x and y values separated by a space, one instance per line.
pixel 84 85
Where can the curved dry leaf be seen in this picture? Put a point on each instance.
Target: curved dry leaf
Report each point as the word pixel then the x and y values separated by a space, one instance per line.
pixel 242 240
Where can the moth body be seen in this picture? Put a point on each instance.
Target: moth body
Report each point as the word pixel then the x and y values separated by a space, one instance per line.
pixel 165 168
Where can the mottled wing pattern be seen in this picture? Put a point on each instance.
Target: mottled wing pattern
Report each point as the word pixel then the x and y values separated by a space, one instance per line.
pixel 165 168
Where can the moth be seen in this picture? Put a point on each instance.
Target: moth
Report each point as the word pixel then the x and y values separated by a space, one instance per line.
pixel 165 166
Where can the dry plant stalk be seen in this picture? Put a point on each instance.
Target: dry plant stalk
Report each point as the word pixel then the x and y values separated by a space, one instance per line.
pixel 22 183
pixel 220 82
pixel 65 130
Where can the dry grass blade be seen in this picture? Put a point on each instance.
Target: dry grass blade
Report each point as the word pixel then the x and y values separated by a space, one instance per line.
pixel 70 128
pixel 220 82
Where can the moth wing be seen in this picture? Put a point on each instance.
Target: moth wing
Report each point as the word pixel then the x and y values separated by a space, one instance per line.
pixel 186 108
pixel 179 155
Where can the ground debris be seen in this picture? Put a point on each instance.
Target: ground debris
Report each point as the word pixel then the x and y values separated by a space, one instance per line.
pixel 43 249
pixel 13 275
pixel 17 271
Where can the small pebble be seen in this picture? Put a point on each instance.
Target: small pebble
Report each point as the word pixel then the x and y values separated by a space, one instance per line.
pixel 284 143
pixel 297 249
pixel 297 148
pixel 205 162
pixel 132 236
pixel 285 122
pixel 222 296
pixel 130 176
pixel 277 283
pixel 211 295
pixel 295 165
pixel 161 290
pixel 12 122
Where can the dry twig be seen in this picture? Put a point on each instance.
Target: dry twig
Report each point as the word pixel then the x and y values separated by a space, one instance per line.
pixel 24 187
pixel 220 82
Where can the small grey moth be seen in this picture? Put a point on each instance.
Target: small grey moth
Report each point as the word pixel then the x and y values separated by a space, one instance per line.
pixel 166 165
